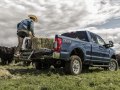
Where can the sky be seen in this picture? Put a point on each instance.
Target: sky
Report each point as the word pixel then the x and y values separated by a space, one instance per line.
pixel 58 16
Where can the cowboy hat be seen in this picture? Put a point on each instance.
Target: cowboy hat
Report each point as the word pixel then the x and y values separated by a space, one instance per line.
pixel 33 17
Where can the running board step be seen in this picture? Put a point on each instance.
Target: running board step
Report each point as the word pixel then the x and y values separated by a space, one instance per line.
pixel 100 65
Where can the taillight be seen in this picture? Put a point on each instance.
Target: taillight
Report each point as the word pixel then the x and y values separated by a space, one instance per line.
pixel 58 43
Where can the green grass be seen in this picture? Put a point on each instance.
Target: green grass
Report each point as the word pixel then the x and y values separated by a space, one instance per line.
pixel 31 79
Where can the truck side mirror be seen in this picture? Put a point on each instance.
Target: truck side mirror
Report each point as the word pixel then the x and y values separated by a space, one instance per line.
pixel 111 44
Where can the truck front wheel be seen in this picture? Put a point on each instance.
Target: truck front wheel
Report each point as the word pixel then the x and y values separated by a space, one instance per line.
pixel 74 66
pixel 113 65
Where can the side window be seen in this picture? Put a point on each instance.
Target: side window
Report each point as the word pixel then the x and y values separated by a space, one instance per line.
pixel 100 41
pixel 82 36
pixel 93 38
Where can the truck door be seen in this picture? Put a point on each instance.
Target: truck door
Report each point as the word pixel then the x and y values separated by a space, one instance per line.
pixel 99 51
pixel 104 52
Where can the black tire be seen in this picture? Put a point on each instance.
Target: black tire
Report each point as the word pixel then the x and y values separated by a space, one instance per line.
pixel 74 66
pixel 113 65
pixel 38 65
pixel 57 66
pixel 46 66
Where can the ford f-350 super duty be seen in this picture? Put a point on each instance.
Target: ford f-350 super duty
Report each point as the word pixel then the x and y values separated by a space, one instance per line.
pixel 74 51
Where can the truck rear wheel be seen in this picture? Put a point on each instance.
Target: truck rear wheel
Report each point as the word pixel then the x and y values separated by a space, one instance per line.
pixel 40 65
pixel 113 65
pixel 74 66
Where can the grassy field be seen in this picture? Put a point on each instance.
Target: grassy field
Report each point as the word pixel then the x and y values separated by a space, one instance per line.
pixel 27 78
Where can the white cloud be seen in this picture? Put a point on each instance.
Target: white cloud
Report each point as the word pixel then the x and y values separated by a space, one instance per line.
pixel 58 16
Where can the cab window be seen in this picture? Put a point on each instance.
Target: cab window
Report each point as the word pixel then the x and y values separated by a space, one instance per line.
pixel 93 38
pixel 78 35
pixel 100 40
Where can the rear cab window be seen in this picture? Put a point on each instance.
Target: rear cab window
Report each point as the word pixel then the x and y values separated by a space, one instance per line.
pixel 82 35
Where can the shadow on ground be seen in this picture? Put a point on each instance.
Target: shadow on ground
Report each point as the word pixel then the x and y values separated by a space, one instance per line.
pixel 33 71
pixel 48 72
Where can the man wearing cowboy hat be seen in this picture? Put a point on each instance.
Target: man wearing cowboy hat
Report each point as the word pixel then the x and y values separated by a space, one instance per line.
pixel 25 29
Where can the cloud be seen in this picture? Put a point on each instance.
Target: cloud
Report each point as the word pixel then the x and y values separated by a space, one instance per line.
pixel 58 16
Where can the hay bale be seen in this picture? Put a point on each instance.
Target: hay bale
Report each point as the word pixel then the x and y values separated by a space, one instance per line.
pixel 38 43
pixel 5 74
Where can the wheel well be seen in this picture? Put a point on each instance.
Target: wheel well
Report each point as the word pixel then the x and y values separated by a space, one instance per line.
pixel 78 52
pixel 113 56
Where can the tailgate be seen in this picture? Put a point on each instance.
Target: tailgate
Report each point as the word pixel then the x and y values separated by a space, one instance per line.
pixel 28 55
pixel 42 48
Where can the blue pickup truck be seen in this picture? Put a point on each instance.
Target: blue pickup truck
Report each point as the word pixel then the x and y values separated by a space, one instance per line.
pixel 74 51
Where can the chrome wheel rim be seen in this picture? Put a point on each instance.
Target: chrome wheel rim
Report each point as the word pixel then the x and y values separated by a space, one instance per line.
pixel 112 66
pixel 76 66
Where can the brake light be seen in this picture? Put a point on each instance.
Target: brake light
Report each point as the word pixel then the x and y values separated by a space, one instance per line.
pixel 58 43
